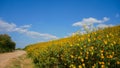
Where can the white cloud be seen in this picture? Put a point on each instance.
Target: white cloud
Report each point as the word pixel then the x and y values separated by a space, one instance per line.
pixel 25 26
pixel 8 27
pixel 20 30
pixel 11 27
pixel 104 25
pixel 39 35
pixel 90 21
pixel 91 24
pixel 105 19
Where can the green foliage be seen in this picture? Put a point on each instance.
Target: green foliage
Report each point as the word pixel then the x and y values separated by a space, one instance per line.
pixel 99 49
pixel 6 44
pixel 19 49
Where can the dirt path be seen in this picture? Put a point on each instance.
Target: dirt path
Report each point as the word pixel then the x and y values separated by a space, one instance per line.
pixel 5 57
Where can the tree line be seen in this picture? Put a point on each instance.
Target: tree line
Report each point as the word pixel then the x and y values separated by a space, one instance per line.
pixel 6 43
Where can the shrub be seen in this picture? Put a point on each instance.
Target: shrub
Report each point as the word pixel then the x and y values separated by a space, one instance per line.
pixel 99 49
pixel 6 44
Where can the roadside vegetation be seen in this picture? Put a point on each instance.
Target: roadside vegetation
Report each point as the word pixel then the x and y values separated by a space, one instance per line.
pixel 96 49
pixel 6 43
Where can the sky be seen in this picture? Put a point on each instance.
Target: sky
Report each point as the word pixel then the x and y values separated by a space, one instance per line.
pixel 32 21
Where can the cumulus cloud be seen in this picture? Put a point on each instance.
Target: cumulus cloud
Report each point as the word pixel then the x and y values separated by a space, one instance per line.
pixel 11 27
pixel 91 24
pixel 8 27
pixel 37 34
pixel 90 21
pixel 25 26
pixel 105 19
pixel 104 25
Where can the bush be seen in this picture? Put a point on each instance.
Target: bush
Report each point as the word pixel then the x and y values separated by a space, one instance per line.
pixel 6 44
pixel 100 49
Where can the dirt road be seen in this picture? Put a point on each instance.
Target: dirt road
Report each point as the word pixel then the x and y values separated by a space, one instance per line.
pixel 5 57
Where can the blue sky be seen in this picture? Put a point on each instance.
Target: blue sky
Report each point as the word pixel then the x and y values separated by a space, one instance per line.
pixel 31 21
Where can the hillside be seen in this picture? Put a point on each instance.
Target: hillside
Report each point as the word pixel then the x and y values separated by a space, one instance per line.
pixel 97 49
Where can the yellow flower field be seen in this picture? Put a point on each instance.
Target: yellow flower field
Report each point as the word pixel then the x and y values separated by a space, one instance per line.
pixel 98 49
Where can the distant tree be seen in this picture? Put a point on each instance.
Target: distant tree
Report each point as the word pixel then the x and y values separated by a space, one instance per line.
pixel 6 43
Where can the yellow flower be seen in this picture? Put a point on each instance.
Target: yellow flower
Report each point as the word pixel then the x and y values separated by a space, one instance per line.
pixel 71 56
pixel 83 65
pixel 114 42
pixel 106 52
pixel 110 34
pixel 93 66
pixel 107 36
pixel 99 62
pixel 80 53
pixel 77 44
pixel 79 57
pixel 113 53
pixel 84 46
pixel 118 62
pixel 102 66
pixel 92 53
pixel 92 47
pixel 102 56
pixel 82 60
pixel 102 63
pixel 86 57
pixel 89 40
pixel 87 52
pixel 108 63
pixel 72 66
pixel 79 39
pixel 95 33
pixel 81 48
pixel 111 56
pixel 71 45
pixel 65 64
pixel 94 39
pixel 105 42
pixel 88 35
pixel 80 66
pixel 82 38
